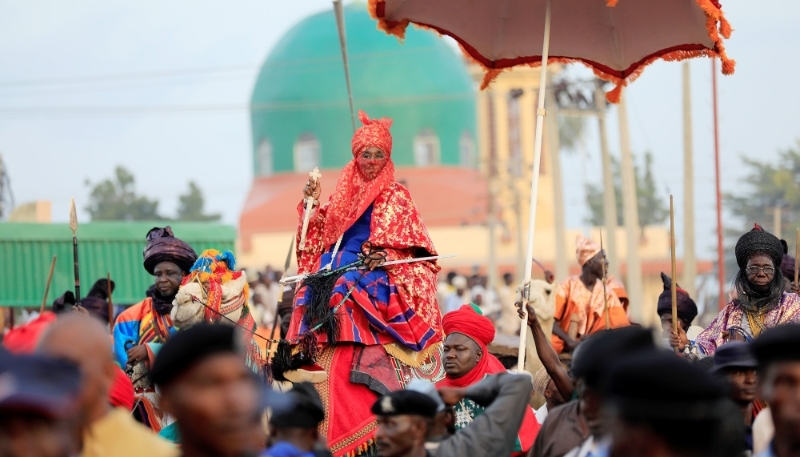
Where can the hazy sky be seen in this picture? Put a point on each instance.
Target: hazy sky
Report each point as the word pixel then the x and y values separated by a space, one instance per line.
pixel 88 85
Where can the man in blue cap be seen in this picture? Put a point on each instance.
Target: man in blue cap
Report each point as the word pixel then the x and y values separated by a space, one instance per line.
pixel 38 402
pixel 734 362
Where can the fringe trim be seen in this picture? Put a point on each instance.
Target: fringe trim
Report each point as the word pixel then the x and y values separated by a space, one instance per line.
pixel 368 448
pixel 717 27
pixel 411 358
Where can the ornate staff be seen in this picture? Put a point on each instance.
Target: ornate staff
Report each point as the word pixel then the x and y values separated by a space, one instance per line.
pixel 314 176
pixel 605 294
pixel 73 225
pixel 673 284
pixel 277 316
pixel 47 287
pixel 110 303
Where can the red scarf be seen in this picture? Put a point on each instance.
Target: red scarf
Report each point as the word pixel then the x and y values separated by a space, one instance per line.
pixel 354 192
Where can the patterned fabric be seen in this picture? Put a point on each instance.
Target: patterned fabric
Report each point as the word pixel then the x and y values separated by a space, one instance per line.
pixel 573 298
pixel 397 227
pixel 137 325
pixel 734 316
pixel 373 313
pixel 354 192
pixel 585 249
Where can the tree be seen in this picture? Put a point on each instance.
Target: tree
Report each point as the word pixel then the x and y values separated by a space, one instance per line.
pixel 766 187
pixel 190 207
pixel 115 199
pixel 652 209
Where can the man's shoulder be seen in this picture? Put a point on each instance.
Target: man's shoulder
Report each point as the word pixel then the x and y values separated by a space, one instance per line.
pixel 134 311
pixel 566 410
pixel 119 434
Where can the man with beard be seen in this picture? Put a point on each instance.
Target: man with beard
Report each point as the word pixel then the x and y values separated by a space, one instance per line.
pixel 582 301
pixel 140 330
pixel 761 301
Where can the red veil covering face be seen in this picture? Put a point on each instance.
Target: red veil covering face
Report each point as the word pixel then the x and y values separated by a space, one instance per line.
pixel 467 321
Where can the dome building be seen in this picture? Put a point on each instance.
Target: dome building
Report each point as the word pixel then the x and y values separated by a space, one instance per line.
pixel 301 119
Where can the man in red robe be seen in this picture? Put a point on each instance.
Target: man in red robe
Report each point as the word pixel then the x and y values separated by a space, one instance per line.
pixel 368 330
pixel 467 362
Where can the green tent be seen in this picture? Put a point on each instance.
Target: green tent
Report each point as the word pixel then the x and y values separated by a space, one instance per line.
pixel 103 247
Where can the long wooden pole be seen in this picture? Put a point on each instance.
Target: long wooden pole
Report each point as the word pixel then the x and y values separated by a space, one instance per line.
pixel 605 280
pixel 339 13
pixel 796 255
pixel 689 259
pixel 47 286
pixel 673 285
pixel 110 303
pixel 537 157
pixel 718 187
pixel 609 196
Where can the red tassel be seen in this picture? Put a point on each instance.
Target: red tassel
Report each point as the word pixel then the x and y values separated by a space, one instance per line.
pixel 613 95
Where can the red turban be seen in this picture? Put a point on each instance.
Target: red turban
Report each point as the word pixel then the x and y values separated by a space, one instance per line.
pixel 480 330
pixel 374 133
pixel 121 393
pixel 354 193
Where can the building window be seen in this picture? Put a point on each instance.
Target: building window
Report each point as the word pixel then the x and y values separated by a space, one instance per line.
pixel 426 148
pixel 466 149
pixel 265 158
pixel 307 151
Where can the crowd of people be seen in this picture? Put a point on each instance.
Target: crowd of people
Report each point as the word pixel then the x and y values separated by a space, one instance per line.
pixel 374 352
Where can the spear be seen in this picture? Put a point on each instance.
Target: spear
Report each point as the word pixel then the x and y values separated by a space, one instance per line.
pixel 110 303
pixel 73 225
pixel 605 294
pixel 673 285
pixel 47 287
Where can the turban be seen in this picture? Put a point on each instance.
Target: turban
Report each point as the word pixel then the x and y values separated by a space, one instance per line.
pixel 585 249
pixel 758 241
pixel 121 393
pixel 787 266
pixel 687 309
pixel 468 321
pixel 162 246
pixel 540 381
pixel 374 133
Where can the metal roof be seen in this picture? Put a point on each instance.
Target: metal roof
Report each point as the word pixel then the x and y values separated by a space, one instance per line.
pixel 26 251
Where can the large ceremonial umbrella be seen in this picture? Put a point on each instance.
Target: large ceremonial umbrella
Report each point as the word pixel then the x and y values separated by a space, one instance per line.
pixel 615 40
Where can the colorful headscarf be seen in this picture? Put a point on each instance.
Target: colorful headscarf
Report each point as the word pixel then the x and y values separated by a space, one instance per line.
pixel 585 249
pixel 162 246
pixel 467 321
pixel 354 193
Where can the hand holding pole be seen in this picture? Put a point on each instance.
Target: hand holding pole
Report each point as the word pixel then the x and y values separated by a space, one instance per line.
pixel 314 176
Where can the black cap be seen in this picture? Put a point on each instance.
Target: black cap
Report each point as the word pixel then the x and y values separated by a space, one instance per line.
pixel 405 402
pixel 38 384
pixel 735 354
pixel 596 353
pixel 661 386
pixel 305 409
pixel 187 347
pixel 777 344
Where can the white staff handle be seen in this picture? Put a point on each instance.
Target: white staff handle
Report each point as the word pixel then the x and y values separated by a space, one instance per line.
pixel 314 175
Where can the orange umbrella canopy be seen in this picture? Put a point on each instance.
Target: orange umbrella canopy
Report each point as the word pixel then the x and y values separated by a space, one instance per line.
pixel 615 40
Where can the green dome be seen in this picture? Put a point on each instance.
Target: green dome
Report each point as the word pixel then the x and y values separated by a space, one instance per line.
pixel 300 96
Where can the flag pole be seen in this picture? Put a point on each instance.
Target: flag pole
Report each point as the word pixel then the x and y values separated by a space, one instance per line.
pixel 537 156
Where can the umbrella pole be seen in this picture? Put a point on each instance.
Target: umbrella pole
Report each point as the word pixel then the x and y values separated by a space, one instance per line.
pixel 339 13
pixel 537 156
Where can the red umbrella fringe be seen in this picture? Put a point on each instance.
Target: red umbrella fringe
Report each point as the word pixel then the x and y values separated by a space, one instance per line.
pixel 620 79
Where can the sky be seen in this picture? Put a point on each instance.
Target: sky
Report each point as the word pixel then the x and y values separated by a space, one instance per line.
pixel 89 85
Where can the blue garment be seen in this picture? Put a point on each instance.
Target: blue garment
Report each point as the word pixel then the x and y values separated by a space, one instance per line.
pixel 284 449
pixel 768 452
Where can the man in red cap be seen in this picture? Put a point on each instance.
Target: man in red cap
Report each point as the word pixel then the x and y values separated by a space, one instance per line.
pixel 468 361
